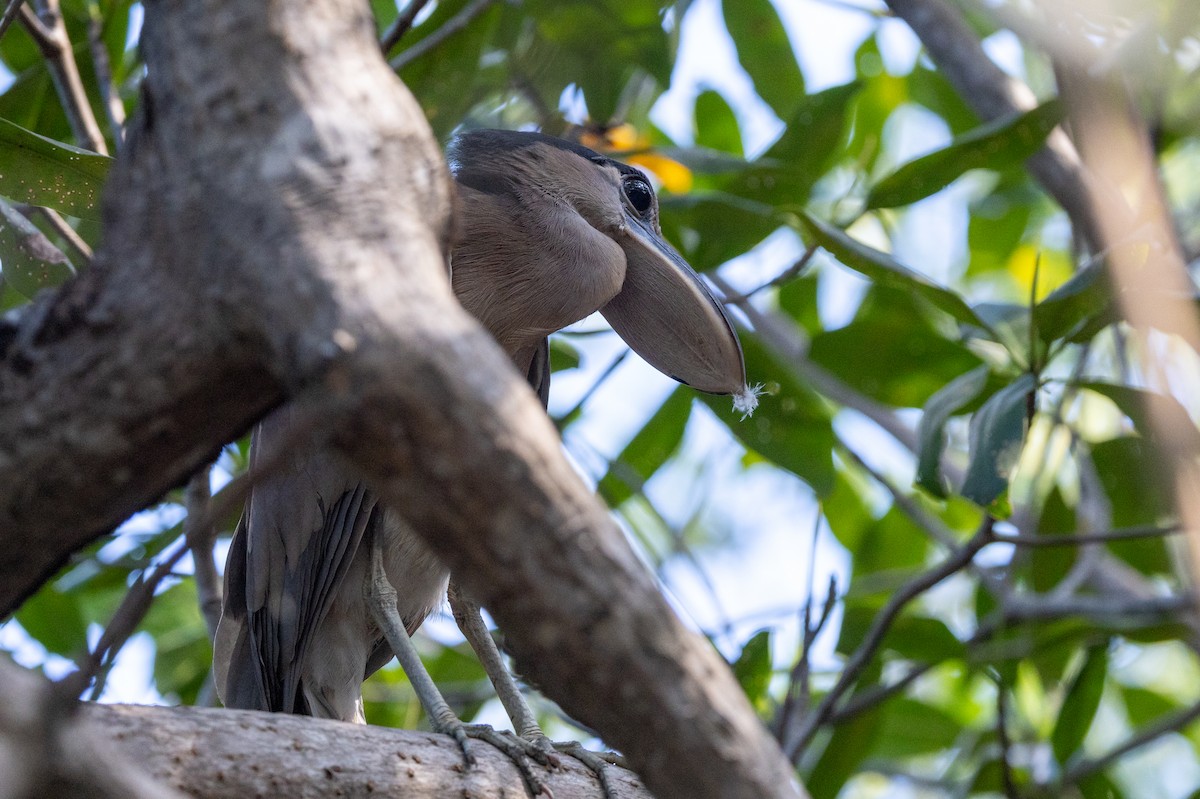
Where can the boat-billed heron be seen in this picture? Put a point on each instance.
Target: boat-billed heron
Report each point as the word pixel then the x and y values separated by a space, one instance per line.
pixel 550 232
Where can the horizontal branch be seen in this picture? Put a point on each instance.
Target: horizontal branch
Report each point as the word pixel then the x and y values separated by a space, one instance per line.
pixel 210 753
pixel 1043 540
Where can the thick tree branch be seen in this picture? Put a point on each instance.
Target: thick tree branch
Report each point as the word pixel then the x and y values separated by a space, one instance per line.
pixel 46 749
pixel 218 754
pixel 279 233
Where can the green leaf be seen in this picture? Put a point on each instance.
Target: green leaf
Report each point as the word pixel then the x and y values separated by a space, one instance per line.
pixel 753 669
pixel 650 448
pixel 764 51
pixel 184 656
pixel 995 441
pixel 448 80
pixel 997 226
pixel 563 356
pixel 54 619
pixel 1145 706
pixel 28 260
pixel 849 745
pixel 1099 786
pixel 1130 470
pixel 712 227
pixel 1140 405
pixel 40 171
pixel 716 124
pixel 931 431
pixel 1000 144
pixel 890 352
pixel 886 270
pixel 913 728
pixel 918 638
pixel 1078 309
pixel 1049 565
pixel 798 298
pixel 602 46
pixel 1080 705
pixel 930 88
pixel 815 134
pixel 889 544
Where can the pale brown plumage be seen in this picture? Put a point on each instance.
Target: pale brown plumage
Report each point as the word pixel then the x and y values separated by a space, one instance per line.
pixel 551 232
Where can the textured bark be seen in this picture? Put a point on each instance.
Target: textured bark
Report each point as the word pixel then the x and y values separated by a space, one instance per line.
pixel 232 754
pixel 47 749
pixel 275 230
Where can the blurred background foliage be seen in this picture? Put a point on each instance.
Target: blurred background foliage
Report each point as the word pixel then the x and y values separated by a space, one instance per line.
pixel 938 361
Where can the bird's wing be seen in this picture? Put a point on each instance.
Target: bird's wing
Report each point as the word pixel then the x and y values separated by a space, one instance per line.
pixel 298 534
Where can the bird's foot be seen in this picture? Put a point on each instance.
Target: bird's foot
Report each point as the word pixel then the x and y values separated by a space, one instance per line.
pixel 596 762
pixel 516 749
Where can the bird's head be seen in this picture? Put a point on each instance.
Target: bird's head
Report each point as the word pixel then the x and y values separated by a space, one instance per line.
pixel 552 232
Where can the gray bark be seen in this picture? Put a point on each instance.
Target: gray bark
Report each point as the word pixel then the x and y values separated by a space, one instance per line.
pixel 231 754
pixel 47 749
pixel 274 231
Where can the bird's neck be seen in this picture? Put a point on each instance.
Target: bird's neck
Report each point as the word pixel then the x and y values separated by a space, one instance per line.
pixel 522 357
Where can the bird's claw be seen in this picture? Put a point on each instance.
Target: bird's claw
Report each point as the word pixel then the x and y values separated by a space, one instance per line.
pixel 596 762
pixel 516 749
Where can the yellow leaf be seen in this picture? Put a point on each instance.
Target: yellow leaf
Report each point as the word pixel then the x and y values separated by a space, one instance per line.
pixel 674 176
pixel 1053 268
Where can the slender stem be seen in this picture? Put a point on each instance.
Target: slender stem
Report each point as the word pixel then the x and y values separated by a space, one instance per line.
pixel 1126 534
pixel 863 655
pixel 1006 771
pixel 402 24
pixel 434 40
pixel 49 32
pixel 10 14
pixel 200 540
pixel 1170 723
pixel 68 233
pixel 114 109
pixel 32 241
pixel 783 277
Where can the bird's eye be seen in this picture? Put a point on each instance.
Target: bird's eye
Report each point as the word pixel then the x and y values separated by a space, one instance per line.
pixel 640 195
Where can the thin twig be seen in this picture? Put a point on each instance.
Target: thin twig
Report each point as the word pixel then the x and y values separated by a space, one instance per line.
pixel 434 40
pixel 402 24
pixel 114 109
pixel 68 233
pixel 49 32
pixel 865 652
pixel 1167 724
pixel 1124 534
pixel 32 241
pixel 592 389
pixel 10 13
pixel 873 696
pixel 1006 770
pixel 783 277
pixel 799 694
pixel 200 540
